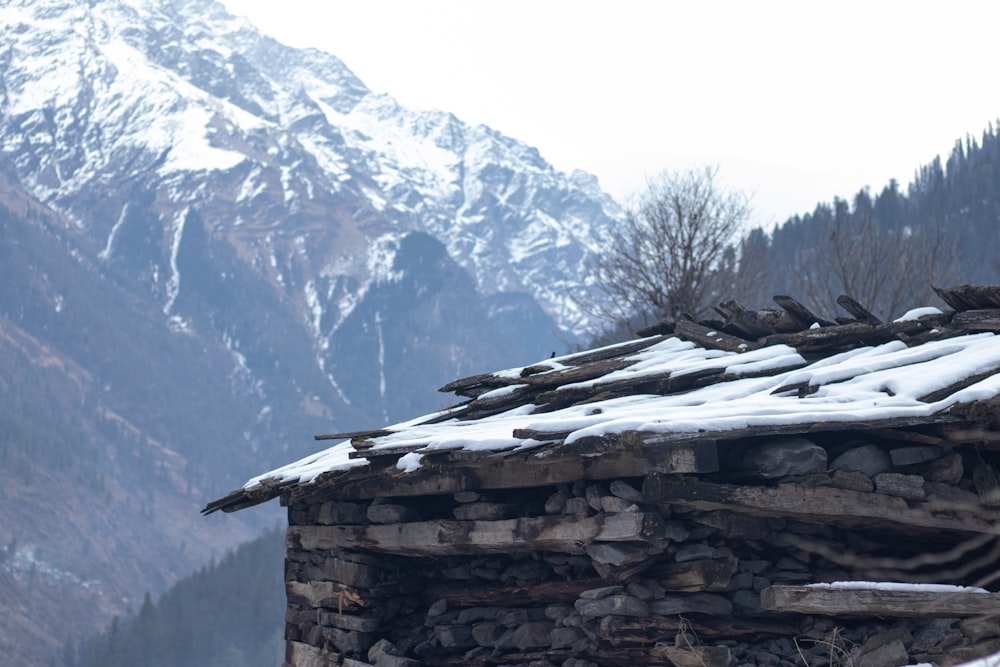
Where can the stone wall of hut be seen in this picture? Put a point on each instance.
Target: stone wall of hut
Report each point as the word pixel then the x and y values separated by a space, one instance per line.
pixel 684 570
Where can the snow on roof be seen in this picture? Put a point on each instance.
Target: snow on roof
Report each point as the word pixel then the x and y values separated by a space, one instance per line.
pixel 865 376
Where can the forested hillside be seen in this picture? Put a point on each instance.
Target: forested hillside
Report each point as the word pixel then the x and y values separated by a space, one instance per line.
pixel 886 249
pixel 228 614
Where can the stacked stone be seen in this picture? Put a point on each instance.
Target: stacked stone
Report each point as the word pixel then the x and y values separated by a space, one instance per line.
pixel 687 592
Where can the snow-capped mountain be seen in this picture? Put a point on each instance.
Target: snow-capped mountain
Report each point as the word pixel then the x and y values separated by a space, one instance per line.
pixel 201 158
pixel 212 247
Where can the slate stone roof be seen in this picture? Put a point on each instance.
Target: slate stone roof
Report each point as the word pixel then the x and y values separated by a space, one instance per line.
pixel 929 376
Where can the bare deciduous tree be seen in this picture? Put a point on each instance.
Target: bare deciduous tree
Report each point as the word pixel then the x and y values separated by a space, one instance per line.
pixel 677 251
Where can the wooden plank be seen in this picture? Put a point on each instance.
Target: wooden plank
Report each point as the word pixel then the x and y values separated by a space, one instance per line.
pixel 802 315
pixel 653 439
pixel 854 333
pixel 819 504
pixel 351 435
pixel 860 313
pixel 754 324
pixel 622 630
pixel 687 577
pixel 885 603
pixel 978 320
pixel 970 297
pixel 590 460
pixel 560 533
pixel 712 338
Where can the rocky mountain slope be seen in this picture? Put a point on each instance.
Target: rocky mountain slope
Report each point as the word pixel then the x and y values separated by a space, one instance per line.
pixel 212 247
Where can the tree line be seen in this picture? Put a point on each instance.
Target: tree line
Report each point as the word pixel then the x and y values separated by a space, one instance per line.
pixel 685 245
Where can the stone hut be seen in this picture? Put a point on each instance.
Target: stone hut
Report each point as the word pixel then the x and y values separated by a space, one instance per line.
pixel 770 489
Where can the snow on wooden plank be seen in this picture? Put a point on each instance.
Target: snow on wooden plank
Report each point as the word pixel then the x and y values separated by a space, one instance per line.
pixel 875 601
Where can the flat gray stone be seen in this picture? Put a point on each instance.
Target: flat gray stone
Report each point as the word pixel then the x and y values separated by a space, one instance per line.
pixel 576 506
pixel 635 589
pixel 391 513
pixel 349 622
pixel 534 634
pixel 594 494
pixel 483 511
pixel 905 456
pixel 613 605
pixel 556 503
pixel 351 662
pixel 564 637
pixel 852 480
pixel 699 603
pixel 892 654
pixel 380 648
pixel 869 459
pixel 488 634
pixel 617 554
pixel 616 504
pixel 948 493
pixel 947 469
pixel 348 641
pixel 598 593
pixel 781 457
pixel 625 491
pixel 455 636
pixel 755 566
pixel 687 552
pixel 904 486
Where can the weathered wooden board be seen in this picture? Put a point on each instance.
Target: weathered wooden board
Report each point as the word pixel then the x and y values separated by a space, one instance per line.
pixel 649 438
pixel 564 533
pixel 588 461
pixel 622 630
pixel 819 504
pixel 712 338
pixel 870 602
pixel 978 320
pixel 860 313
pixel 970 297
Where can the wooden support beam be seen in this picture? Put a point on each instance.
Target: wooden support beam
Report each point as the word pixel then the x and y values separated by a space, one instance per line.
pixel 821 504
pixel 653 439
pixel 590 460
pixel 563 533
pixel 886 603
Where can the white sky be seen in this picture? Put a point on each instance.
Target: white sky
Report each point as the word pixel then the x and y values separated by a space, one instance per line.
pixel 795 102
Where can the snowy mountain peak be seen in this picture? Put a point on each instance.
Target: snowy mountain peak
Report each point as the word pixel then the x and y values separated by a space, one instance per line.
pixel 180 139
